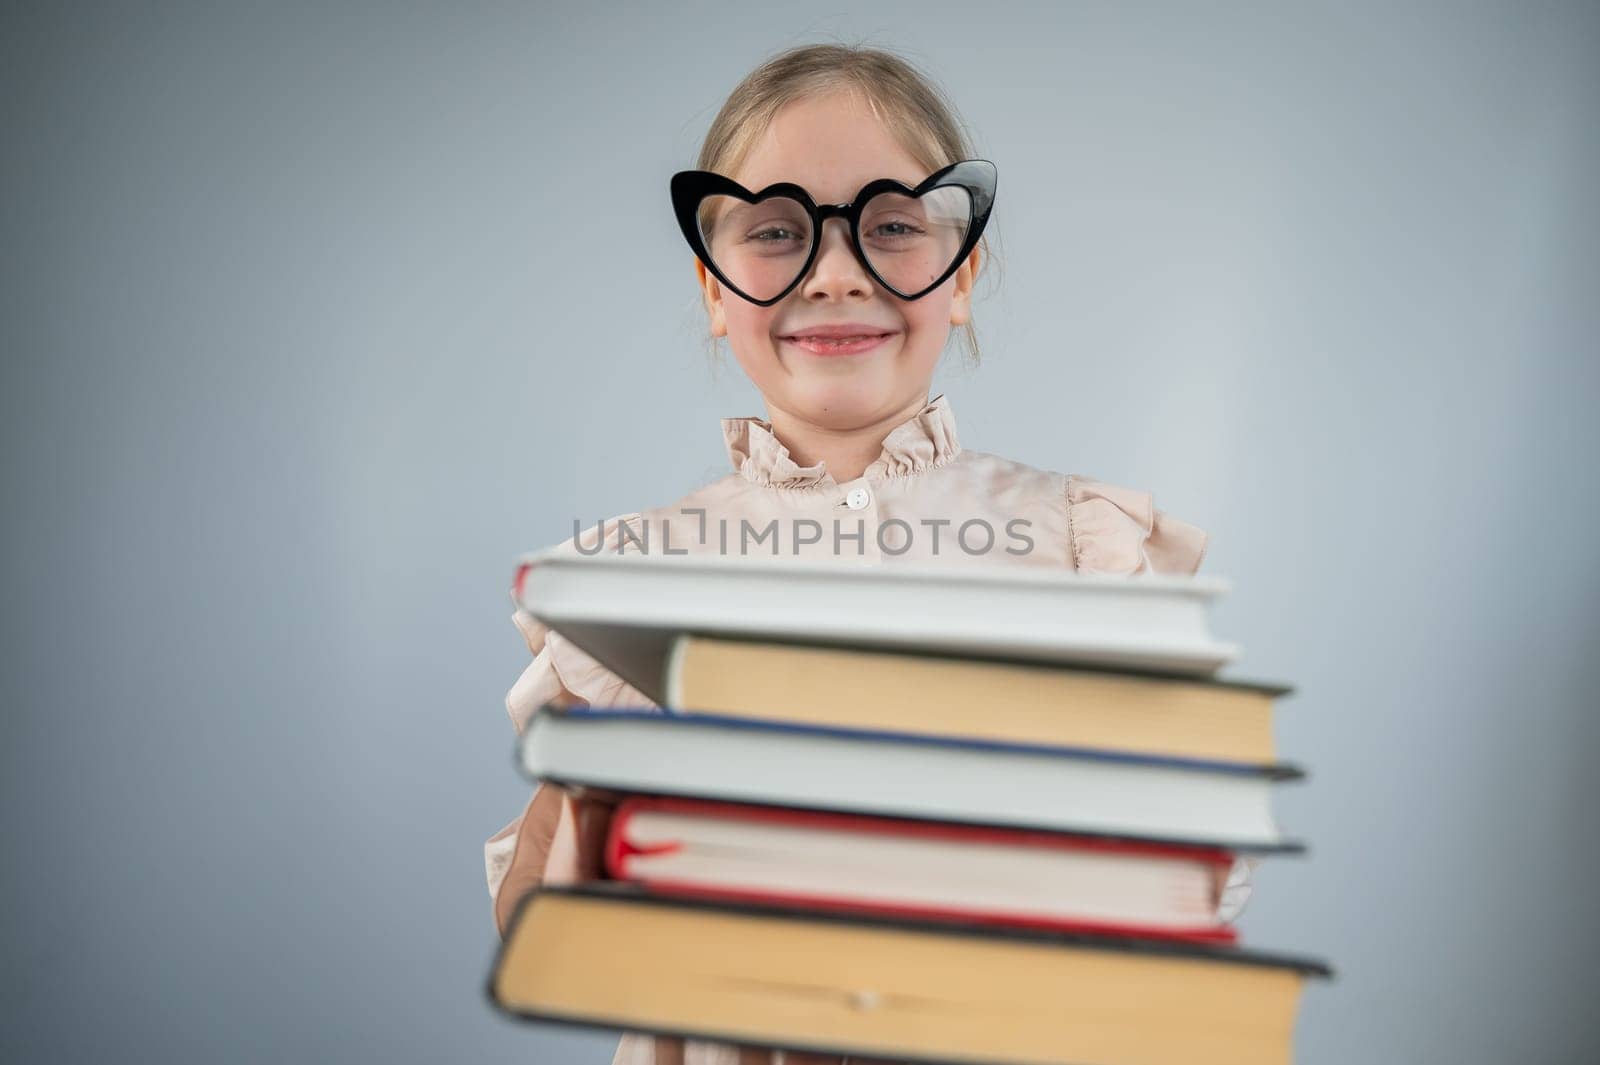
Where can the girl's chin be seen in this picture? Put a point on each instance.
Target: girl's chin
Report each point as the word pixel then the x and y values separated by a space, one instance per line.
pixel 844 403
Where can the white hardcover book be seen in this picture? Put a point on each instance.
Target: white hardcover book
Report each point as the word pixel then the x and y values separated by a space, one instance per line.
pixel 625 610
pixel 1069 789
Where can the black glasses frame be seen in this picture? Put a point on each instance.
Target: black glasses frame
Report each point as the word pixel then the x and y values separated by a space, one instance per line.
pixel 690 188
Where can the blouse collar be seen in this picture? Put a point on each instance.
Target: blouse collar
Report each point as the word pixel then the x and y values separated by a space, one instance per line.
pixel 923 441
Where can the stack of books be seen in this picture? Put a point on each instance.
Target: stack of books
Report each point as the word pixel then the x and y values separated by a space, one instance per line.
pixel 955 815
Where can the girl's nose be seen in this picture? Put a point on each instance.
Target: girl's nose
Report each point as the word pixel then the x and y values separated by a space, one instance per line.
pixel 836 273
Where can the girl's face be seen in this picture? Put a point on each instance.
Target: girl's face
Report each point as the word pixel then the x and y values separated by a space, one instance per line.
pixel 831 146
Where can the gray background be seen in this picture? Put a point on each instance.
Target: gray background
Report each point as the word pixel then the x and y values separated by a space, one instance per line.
pixel 315 318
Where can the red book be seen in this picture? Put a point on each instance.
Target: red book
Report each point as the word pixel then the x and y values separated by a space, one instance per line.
pixel 920 869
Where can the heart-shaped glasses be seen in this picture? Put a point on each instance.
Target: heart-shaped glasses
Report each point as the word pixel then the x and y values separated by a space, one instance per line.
pixel 760 244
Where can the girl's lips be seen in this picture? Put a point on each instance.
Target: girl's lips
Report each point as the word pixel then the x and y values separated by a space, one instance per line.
pixel 837 346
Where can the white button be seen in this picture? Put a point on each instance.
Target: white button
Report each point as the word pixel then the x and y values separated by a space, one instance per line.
pixel 858 498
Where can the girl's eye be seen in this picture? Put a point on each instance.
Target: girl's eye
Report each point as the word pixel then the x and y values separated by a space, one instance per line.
pixel 774 234
pixel 896 229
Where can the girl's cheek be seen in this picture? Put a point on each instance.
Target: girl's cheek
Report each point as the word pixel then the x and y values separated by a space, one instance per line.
pixel 928 320
pixel 751 326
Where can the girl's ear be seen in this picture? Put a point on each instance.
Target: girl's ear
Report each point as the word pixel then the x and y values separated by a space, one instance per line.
pixel 713 296
pixel 961 299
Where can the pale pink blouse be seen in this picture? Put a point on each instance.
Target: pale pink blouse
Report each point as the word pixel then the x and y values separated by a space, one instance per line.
pixel 907 506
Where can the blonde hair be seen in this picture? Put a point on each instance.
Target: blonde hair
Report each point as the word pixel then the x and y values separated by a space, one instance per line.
pixel 914 110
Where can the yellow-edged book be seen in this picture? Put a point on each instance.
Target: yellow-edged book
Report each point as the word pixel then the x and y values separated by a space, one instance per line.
pixel 608 955
pixel 947 695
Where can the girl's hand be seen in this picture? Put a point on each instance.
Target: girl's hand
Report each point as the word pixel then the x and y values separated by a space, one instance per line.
pixel 1233 888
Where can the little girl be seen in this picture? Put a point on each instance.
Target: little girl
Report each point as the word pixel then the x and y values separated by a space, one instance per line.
pixel 839 316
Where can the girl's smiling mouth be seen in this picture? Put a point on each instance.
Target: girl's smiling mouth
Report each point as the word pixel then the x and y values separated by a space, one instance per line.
pixel 850 338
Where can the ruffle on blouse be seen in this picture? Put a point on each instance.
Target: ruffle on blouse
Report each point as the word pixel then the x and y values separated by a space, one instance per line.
pixel 759 457
pixel 926 439
pixel 1119 530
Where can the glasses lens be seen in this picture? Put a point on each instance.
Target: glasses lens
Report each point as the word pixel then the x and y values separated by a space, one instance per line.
pixel 759 247
pixel 912 241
